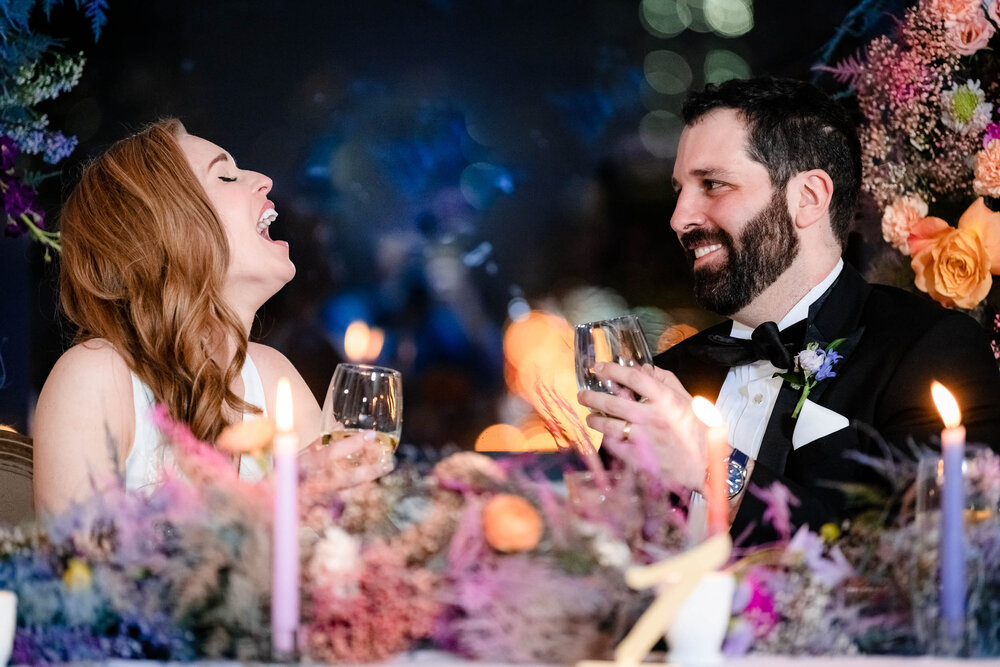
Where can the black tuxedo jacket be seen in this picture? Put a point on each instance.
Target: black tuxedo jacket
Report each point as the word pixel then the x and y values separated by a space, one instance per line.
pixel 897 344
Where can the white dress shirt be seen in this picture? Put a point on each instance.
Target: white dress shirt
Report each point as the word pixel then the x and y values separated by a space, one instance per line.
pixel 747 398
pixel 750 391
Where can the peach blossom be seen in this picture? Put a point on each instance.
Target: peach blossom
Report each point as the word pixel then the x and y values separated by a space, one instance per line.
pixel 987 178
pixel 899 217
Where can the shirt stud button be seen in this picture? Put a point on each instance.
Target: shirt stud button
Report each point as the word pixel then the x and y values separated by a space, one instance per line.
pixel 758 398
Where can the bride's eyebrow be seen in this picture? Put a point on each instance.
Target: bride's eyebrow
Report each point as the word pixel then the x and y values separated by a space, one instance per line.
pixel 221 157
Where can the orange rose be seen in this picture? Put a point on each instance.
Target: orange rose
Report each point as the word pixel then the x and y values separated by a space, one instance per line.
pixel 925 233
pixel 987 224
pixel 510 523
pixel 955 270
pixel 987 180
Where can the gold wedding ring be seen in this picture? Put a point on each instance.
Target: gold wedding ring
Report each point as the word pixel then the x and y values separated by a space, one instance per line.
pixel 626 431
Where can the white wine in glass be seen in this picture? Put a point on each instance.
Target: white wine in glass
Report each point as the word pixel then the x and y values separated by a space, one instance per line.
pixel 364 398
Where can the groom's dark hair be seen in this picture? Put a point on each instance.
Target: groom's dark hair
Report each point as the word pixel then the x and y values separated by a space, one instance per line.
pixel 793 127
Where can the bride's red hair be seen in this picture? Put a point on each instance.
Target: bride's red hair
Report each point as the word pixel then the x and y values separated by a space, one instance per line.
pixel 142 266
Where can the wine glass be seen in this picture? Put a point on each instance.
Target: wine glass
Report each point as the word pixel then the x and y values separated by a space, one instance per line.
pixel 364 398
pixel 619 340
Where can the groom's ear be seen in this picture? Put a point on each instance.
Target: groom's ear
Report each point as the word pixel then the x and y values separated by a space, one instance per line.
pixel 809 194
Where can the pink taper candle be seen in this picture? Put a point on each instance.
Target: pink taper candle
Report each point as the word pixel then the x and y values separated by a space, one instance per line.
pixel 717 441
pixel 285 594
pixel 952 552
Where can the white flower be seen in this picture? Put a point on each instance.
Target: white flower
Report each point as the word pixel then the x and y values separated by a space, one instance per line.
pixel 611 552
pixel 336 561
pixel 964 108
pixel 810 360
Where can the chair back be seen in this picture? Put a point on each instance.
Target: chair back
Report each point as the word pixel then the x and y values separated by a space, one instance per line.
pixel 16 471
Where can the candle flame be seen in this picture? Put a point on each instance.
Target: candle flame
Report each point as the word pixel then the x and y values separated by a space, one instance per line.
pixel 946 405
pixel 706 411
pixel 283 406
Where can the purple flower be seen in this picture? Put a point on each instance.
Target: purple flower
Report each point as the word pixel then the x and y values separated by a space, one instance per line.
pixel 826 369
pixel 18 198
pixel 992 132
pixel 829 570
pixel 8 152
pixel 58 146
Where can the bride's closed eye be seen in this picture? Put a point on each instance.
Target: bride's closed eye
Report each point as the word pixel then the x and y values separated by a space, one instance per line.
pixel 228 179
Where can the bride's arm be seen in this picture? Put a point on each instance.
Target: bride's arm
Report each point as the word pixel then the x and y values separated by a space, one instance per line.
pixel 82 426
pixel 272 365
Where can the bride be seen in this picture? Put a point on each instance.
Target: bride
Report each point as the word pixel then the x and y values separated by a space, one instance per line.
pixel 167 256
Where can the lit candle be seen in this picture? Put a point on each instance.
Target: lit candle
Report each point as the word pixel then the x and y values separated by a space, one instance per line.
pixel 717 444
pixel 285 593
pixel 952 551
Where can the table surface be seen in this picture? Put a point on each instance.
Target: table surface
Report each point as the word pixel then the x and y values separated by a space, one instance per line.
pixel 439 659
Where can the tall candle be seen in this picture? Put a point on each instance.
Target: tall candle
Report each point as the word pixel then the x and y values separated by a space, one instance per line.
pixel 952 550
pixel 717 444
pixel 285 593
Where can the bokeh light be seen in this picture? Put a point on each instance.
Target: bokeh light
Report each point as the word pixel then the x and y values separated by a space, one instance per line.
pixel 501 438
pixel 481 183
pixel 518 309
pixel 539 369
pixel 667 72
pixel 363 343
pixel 659 131
pixel 664 18
pixel 673 335
pixel 723 65
pixel 729 18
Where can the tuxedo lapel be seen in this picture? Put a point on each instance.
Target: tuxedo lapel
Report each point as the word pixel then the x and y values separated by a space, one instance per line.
pixel 836 314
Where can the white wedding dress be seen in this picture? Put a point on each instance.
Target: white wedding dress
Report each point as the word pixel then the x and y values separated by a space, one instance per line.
pixel 148 457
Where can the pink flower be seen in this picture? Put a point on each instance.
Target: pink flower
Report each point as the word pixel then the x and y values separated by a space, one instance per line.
pixel 971 34
pixel 899 217
pixel 993 9
pixel 992 131
pixel 955 10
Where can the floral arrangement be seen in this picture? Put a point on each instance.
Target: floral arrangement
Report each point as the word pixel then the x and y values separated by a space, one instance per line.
pixel 32 71
pixel 485 558
pixel 927 94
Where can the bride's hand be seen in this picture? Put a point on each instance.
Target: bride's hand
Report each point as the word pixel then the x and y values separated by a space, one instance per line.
pixel 345 463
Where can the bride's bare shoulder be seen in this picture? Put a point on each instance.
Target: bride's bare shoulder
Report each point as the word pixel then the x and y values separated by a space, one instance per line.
pixel 96 358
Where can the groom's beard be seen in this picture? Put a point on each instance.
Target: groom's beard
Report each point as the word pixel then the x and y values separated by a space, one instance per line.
pixel 764 250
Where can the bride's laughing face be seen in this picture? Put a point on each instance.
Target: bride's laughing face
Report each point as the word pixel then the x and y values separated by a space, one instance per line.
pixel 258 265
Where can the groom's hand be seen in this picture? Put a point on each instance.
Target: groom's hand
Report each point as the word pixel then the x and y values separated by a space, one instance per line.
pixel 662 419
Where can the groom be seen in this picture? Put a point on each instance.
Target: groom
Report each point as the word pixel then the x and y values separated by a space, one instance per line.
pixel 767 177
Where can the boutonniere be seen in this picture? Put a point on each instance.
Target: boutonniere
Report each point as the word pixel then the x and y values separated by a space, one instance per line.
pixel 812 365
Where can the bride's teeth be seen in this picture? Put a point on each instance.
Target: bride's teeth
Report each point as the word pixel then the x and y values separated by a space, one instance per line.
pixel 266 218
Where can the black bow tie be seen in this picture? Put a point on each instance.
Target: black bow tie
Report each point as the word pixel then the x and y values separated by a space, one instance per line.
pixel 765 343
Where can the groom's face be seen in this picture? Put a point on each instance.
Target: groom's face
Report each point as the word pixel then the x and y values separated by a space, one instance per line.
pixel 735 227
